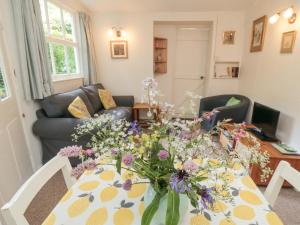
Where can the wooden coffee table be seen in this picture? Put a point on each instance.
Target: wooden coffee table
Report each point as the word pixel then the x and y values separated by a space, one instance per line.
pixel 143 106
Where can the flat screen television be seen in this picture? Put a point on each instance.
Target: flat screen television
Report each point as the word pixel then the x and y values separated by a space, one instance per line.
pixel 265 119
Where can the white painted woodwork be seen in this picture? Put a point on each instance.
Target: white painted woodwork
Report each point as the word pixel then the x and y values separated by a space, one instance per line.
pixel 13 211
pixel 191 64
pixel 15 163
pixel 284 171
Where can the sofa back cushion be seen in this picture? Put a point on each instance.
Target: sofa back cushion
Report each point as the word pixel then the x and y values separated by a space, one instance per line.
pixel 92 93
pixel 57 105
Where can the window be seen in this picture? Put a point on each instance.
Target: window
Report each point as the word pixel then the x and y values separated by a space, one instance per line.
pixel 59 26
pixel 3 85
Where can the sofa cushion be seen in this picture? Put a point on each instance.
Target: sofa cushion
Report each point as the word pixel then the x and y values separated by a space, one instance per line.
pixel 119 113
pixel 78 109
pixel 92 93
pixel 57 105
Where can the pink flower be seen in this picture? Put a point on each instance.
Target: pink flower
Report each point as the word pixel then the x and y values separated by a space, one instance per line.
pixel 127 159
pixel 89 152
pixel 71 151
pixel 80 168
pixel 163 155
pixel 127 185
pixel 115 151
pixel 190 166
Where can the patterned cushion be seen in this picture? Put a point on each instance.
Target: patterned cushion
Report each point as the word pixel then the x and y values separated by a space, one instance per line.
pixel 107 99
pixel 78 109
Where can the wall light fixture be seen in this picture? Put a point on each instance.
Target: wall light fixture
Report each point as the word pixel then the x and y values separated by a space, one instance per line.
pixel 288 14
pixel 118 32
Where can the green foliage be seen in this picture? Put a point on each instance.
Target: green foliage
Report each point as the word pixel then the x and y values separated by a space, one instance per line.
pixel 3 93
pixel 151 210
pixel 172 217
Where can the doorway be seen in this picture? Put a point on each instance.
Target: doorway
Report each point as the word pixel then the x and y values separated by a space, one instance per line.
pixel 189 48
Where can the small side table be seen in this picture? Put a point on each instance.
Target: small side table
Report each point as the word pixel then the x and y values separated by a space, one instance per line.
pixel 143 106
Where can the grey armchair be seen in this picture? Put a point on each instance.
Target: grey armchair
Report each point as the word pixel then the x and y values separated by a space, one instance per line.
pixel 237 113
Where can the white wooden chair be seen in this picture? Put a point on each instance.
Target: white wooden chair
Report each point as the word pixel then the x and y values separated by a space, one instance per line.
pixel 36 198
pixel 284 171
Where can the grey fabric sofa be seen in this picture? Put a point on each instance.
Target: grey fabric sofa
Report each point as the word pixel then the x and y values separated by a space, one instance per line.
pixel 55 124
pixel 237 113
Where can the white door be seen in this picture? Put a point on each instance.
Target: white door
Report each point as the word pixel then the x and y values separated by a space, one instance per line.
pixel 15 164
pixel 190 67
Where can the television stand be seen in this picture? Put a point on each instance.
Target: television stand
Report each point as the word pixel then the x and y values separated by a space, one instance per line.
pixel 261 135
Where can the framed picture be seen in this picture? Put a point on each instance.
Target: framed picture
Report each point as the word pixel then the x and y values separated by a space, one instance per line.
pixel 288 41
pixel 258 34
pixel 228 37
pixel 119 49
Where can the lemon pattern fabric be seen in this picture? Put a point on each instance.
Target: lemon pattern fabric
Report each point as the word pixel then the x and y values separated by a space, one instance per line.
pixel 106 99
pixel 98 199
pixel 78 109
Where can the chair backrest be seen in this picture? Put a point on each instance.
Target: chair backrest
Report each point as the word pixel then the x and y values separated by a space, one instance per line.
pixel 284 171
pixel 36 198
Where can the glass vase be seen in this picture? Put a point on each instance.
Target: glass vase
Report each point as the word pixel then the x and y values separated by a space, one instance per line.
pixel 160 216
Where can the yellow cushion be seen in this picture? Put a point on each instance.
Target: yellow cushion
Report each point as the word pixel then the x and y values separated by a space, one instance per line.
pixel 78 109
pixel 106 99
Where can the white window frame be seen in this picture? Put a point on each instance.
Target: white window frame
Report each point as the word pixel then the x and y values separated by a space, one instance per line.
pixel 3 66
pixel 63 41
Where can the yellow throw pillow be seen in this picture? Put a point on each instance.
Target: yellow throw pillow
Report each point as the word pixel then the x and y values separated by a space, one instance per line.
pixel 106 99
pixel 78 109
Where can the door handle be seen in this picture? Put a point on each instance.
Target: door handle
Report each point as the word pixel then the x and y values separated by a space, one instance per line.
pixel 202 77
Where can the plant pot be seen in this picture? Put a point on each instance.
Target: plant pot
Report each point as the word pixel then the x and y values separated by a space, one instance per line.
pixel 160 216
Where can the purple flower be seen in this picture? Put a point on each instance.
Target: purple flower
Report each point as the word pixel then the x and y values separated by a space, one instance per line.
pixel 115 151
pixel 206 197
pixel 134 128
pixel 127 159
pixel 71 151
pixel 163 155
pixel 190 166
pixel 179 181
pixel 89 152
pixel 127 185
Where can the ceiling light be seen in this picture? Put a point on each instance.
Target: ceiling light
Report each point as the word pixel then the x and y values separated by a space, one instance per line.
pixel 288 13
pixel 273 19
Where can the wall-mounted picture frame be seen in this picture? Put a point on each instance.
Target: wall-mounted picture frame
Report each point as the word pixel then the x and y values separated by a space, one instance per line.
pixel 258 34
pixel 119 49
pixel 288 42
pixel 228 37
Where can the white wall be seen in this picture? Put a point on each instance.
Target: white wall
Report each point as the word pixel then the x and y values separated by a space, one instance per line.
pixel 124 76
pixel 272 78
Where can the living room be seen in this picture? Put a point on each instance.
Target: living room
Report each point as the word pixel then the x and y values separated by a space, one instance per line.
pixel 154 61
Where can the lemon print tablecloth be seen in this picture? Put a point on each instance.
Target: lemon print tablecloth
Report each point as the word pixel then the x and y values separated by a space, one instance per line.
pixel 98 198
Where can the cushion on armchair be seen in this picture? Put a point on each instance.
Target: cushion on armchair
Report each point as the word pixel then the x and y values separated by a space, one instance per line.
pixel 232 101
pixel 92 93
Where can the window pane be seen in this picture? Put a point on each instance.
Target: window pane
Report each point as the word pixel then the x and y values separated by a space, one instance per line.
pixel 69 27
pixel 49 57
pixel 3 90
pixel 59 58
pixel 72 59
pixel 55 20
pixel 42 6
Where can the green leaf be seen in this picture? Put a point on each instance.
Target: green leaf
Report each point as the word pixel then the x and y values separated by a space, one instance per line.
pixel 151 210
pixel 172 217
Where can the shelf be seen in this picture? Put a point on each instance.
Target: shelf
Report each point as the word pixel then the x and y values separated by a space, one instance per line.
pixel 160 55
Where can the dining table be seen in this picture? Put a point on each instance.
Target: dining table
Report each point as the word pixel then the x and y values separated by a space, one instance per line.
pixel 97 198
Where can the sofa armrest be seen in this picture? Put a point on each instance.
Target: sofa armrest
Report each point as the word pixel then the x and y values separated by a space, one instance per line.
pixel 56 128
pixel 126 101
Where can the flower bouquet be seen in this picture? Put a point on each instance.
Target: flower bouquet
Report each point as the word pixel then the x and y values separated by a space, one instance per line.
pixel 177 159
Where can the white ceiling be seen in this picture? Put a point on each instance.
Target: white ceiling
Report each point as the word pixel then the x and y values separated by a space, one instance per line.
pixel 165 5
